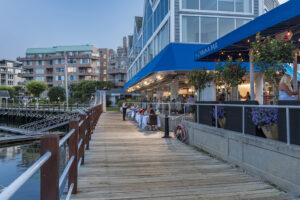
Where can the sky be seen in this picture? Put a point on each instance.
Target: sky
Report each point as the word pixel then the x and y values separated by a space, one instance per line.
pixel 46 23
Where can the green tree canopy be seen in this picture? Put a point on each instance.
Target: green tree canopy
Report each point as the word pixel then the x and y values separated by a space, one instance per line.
pixel 83 91
pixel 18 90
pixel 36 87
pixel 10 90
pixel 56 93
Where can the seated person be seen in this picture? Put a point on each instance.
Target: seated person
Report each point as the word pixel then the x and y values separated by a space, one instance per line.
pixel 152 121
pixel 285 89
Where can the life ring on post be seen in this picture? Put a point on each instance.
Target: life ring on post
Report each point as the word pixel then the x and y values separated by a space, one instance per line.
pixel 181 133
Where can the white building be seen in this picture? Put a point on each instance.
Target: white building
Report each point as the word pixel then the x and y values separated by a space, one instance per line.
pixel 9 71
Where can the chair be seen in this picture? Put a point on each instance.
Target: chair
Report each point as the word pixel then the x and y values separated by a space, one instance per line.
pixel 152 123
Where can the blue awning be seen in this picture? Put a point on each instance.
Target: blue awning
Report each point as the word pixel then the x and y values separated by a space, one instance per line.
pixel 284 17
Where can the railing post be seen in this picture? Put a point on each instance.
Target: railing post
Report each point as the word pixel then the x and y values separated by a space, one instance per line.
pixel 288 139
pixel 216 115
pixel 50 170
pixel 197 114
pixel 81 136
pixel 243 120
pixel 73 151
pixel 87 126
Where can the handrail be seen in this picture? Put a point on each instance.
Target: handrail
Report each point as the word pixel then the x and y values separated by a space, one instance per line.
pixel 66 170
pixel 49 144
pixel 14 186
pixel 66 137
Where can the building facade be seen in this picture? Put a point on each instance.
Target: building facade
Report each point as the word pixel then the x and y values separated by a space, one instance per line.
pixel 186 21
pixel 10 70
pixel 117 66
pixel 48 64
pixel 105 54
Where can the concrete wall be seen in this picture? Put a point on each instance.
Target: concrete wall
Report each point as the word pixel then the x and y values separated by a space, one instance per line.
pixel 274 161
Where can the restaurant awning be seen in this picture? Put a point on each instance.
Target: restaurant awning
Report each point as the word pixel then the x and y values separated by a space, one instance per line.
pixel 237 43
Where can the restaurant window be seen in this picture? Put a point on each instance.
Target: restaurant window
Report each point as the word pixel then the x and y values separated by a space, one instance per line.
pixel 208 29
pixel 226 5
pixel 190 4
pixel 226 25
pixel 190 29
pixel 208 4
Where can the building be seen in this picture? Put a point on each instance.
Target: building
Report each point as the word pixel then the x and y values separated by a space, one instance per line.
pixel 105 54
pixel 9 70
pixel 117 66
pixel 48 64
pixel 185 23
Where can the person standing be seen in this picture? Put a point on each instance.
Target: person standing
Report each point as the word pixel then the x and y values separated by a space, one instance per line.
pixel 124 108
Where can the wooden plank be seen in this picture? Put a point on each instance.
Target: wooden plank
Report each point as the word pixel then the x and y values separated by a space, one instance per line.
pixel 125 163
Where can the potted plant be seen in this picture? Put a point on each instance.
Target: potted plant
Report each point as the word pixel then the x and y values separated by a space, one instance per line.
pixel 271 56
pixel 200 78
pixel 220 115
pixel 267 120
pixel 230 74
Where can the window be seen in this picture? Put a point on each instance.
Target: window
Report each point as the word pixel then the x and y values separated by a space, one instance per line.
pixel 71 61
pixel 104 56
pixel 28 63
pixel 59 61
pixel 244 6
pixel 208 4
pixel 98 64
pixel 10 76
pixel 104 79
pixel 39 63
pixel 49 62
pixel 71 78
pixel 59 69
pixel 190 29
pixel 39 78
pixel 39 71
pixel 71 69
pixel 226 25
pixel 10 82
pixel 84 61
pixel 104 71
pixel 208 29
pixel 190 4
pixel 59 78
pixel 226 5
pixel 241 22
pixel 104 64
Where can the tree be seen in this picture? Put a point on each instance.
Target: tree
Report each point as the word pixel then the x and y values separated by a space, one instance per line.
pixel 10 90
pixel 36 88
pixel 56 93
pixel 200 79
pixel 18 90
pixel 230 74
pixel 271 55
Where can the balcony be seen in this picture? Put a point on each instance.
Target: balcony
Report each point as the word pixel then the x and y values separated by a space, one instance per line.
pixel 116 71
pixel 26 74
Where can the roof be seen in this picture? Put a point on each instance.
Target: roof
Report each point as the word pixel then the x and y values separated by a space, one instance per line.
pixel 284 17
pixel 178 57
pixel 4 94
pixel 60 49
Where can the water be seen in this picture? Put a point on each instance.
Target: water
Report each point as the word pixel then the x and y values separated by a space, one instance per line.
pixel 15 160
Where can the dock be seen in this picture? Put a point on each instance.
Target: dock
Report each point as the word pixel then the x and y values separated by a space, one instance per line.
pixel 125 163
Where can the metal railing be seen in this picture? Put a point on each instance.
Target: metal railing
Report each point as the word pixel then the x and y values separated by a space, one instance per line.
pixel 53 107
pixel 204 113
pixel 48 163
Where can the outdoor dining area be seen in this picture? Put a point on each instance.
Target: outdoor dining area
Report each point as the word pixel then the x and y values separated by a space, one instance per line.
pixel 146 118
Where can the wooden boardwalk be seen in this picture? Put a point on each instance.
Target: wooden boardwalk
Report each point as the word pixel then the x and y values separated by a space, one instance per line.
pixel 124 163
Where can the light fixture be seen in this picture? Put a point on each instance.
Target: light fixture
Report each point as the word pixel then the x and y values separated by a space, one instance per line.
pixel 240 54
pixel 248 40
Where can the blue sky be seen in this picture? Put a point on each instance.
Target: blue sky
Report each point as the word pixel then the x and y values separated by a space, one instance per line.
pixel 47 23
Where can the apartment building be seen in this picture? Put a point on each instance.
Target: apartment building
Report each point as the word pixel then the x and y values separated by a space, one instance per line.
pixel 9 71
pixel 105 55
pixel 48 64
pixel 117 65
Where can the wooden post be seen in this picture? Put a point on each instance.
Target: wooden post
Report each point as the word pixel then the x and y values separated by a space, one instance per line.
pixel 50 170
pixel 295 71
pixel 87 126
pixel 251 74
pixel 81 136
pixel 73 151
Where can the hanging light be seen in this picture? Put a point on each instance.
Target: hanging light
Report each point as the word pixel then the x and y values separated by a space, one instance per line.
pixel 248 41
pixel 240 54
